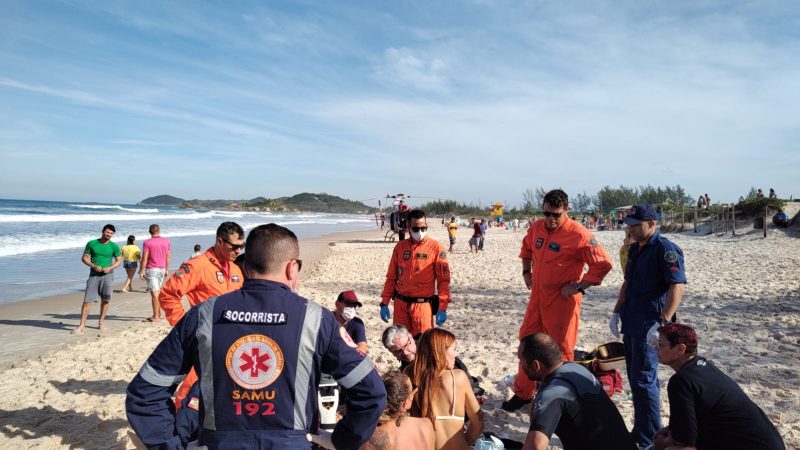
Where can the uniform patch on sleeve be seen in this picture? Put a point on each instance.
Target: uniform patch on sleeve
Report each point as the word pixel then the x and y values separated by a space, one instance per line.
pixel 194 404
pixel 671 256
pixel 539 242
pixel 406 255
pixel 593 242
pixel 220 277
pixel 443 255
pixel 444 272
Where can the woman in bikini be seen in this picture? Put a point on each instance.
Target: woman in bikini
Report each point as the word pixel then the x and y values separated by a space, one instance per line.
pixel 444 394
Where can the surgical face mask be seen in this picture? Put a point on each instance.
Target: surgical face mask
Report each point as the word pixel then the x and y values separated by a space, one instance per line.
pixel 348 313
pixel 418 235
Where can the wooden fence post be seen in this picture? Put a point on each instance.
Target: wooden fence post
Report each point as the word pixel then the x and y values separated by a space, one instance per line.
pixel 694 219
pixel 733 222
pixel 765 221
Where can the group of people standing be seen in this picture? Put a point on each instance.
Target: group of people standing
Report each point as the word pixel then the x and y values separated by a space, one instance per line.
pixel 258 350
pixel 103 255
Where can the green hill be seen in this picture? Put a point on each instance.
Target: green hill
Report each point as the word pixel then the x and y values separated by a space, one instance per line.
pixel 301 202
pixel 162 200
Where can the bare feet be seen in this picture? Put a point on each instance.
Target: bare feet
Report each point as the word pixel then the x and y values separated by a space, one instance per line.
pixel 78 330
pixel 101 326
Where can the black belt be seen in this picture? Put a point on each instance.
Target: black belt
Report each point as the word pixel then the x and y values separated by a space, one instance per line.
pixel 414 299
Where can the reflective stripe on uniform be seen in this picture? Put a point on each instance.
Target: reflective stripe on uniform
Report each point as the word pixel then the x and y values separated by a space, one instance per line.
pixel 357 374
pixel 205 326
pixel 305 363
pixel 152 376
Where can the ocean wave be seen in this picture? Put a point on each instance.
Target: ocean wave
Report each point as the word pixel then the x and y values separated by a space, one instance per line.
pixel 118 207
pixel 102 217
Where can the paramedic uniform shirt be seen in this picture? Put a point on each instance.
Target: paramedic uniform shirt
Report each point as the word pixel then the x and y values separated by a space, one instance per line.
pixel 258 352
pixel 572 403
pixel 709 410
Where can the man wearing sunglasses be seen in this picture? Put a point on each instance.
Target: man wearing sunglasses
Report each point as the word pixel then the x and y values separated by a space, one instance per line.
pixel 418 279
pixel 554 253
pixel 200 278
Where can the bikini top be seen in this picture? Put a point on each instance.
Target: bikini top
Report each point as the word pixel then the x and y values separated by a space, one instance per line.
pixel 452 415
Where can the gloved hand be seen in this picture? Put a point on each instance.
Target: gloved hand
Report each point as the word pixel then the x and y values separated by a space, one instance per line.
pixel 613 325
pixel 441 317
pixel 652 335
pixel 323 439
pixel 385 314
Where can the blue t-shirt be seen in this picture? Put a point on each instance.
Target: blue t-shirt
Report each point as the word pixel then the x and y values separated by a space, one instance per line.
pixel 355 328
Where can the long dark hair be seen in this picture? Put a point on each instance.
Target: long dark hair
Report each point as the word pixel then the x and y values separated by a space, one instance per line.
pixel 131 239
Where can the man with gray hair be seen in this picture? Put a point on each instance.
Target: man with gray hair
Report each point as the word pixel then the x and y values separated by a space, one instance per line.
pixel 398 340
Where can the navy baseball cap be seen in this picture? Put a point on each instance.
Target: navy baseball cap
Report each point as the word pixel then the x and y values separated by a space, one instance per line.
pixel 349 297
pixel 641 213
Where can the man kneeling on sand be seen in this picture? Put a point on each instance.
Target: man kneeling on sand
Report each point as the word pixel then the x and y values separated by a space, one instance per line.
pixel 570 402
pixel 707 409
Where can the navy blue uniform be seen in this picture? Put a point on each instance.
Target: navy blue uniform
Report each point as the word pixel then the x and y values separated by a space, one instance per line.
pixel 650 272
pixel 258 352
pixel 355 328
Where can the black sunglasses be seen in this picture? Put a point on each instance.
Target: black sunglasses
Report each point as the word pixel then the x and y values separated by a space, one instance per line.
pixel 234 247
pixel 418 229
pixel 299 264
pixel 554 215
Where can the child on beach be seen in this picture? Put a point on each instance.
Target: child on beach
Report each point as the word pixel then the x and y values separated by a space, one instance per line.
pixel 131 254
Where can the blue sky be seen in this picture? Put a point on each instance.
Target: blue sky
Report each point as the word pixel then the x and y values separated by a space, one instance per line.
pixel 474 101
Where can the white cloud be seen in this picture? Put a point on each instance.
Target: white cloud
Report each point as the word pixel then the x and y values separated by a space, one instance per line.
pixel 404 66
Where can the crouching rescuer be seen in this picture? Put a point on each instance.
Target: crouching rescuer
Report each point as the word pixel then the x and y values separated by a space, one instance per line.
pixel 259 352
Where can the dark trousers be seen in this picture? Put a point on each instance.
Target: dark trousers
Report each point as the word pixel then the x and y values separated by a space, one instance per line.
pixel 641 363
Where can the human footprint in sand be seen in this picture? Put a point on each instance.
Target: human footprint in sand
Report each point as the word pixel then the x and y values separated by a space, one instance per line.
pixel 102 256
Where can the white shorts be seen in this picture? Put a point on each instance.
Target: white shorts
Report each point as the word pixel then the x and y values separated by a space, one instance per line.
pixel 154 279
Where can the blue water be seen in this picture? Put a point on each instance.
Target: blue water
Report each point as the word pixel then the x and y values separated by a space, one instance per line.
pixel 41 243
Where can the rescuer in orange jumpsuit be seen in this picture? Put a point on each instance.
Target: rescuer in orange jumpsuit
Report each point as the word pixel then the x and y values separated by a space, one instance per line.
pixel 417 271
pixel 210 274
pixel 554 253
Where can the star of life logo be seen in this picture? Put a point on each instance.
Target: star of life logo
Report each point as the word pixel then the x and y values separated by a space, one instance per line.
pixel 254 361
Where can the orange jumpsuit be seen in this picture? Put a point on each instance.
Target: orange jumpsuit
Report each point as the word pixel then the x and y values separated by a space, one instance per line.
pixel 199 279
pixel 557 258
pixel 419 270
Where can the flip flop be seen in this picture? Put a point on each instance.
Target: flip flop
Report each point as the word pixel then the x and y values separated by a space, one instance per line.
pixel 150 319
pixel 77 331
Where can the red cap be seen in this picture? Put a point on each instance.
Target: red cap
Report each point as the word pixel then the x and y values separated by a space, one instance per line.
pixel 349 297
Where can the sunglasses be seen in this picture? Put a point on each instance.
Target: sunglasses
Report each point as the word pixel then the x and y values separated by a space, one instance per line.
pixel 418 229
pixel 234 247
pixel 554 215
pixel 299 264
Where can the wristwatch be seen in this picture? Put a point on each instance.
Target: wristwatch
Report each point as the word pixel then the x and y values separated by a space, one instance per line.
pixel 579 288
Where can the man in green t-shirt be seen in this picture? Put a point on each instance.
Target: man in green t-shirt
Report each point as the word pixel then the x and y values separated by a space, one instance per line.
pixel 102 256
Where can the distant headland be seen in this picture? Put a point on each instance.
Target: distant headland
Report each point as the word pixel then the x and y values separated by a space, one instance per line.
pixel 301 202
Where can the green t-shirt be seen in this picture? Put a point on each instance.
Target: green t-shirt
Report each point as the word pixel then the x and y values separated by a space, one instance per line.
pixel 102 254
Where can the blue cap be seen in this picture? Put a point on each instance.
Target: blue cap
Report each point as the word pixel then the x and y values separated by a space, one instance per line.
pixel 641 213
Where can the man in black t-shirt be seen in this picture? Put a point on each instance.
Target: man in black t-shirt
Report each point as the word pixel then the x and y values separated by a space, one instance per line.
pixel 708 410
pixel 570 402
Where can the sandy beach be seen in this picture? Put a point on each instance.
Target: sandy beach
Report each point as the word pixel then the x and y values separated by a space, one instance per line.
pixel 743 297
